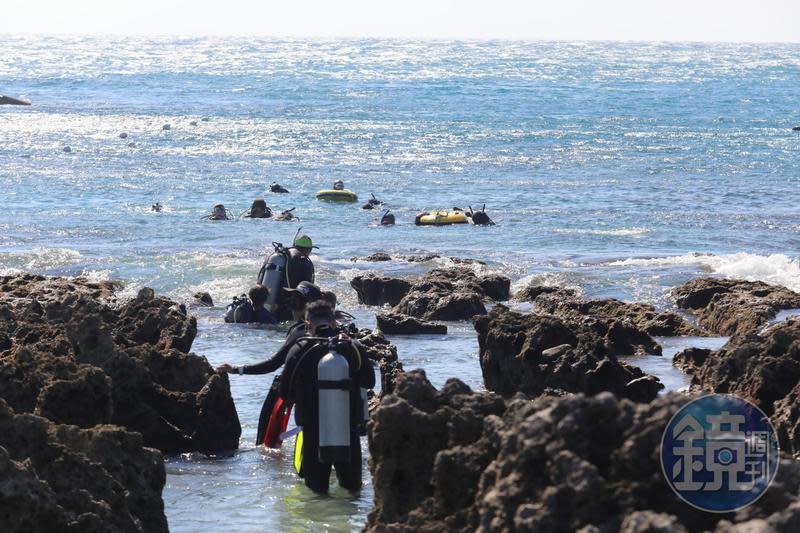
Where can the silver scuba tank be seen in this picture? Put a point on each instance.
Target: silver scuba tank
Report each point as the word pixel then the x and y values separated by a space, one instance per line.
pixel 272 275
pixel 333 377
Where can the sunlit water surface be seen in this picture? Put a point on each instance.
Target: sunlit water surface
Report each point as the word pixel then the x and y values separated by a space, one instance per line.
pixel 616 169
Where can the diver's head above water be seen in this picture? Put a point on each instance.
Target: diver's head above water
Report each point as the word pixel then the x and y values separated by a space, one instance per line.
pixel 304 245
pixel 218 212
pixel 258 295
pixel 259 209
pixel 320 319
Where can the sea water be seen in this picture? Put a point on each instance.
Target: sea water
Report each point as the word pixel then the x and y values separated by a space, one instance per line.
pixel 616 169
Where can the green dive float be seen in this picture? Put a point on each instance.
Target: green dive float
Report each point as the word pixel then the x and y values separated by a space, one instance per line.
pixel 334 195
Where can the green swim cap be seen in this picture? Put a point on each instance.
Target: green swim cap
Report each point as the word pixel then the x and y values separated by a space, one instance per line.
pixel 304 241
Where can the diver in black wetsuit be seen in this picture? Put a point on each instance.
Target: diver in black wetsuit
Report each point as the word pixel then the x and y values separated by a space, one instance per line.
pixel 301 385
pixel 299 297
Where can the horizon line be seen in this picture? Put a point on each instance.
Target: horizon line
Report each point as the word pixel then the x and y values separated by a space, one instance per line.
pixel 277 37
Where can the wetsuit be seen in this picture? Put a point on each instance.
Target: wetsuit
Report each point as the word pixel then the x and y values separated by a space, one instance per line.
pixel 296 331
pixel 300 385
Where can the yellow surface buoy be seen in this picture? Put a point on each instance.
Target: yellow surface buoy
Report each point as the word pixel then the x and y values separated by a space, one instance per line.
pixel 440 218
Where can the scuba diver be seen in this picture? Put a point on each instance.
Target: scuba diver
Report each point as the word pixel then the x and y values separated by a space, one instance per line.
pixel 387 219
pixel 338 185
pixel 250 308
pixel 218 212
pixel 326 377
pixel 480 218
pixel 300 297
pixel 286 269
pixel 372 203
pixel 304 294
pixel 286 215
pixel 278 188
pixel 258 209
pixel 157 207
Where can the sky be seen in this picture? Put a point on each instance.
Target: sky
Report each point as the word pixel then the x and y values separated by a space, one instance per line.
pixel 623 20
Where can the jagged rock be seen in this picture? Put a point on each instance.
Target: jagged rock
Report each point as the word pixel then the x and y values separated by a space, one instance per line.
pixel 530 293
pixel 732 307
pixel 531 352
pixel 764 369
pixel 650 522
pixel 76 355
pixel 419 258
pixel 63 478
pixel 456 460
pixel 690 359
pixel 440 304
pixel 384 353
pixel 455 293
pixel 376 257
pixel 565 303
pixel 375 290
pixel 392 323
pixel 495 286
pixel 786 419
pixel 203 299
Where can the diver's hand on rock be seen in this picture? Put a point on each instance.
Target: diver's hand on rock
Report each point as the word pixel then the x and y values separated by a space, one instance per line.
pixel 225 368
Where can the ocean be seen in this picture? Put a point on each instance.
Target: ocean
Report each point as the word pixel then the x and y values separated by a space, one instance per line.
pixel 617 169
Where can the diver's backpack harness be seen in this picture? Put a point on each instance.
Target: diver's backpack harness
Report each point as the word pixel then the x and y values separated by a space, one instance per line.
pixel 334 387
pixel 239 311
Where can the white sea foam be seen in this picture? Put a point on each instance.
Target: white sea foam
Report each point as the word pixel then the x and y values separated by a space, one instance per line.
pixel 779 269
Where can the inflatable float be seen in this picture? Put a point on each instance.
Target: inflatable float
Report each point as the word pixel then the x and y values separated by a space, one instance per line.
pixel 277 423
pixel 333 195
pixel 440 218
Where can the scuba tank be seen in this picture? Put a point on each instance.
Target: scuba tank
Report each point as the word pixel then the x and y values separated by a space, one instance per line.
pixel 333 377
pixel 230 310
pixel 273 275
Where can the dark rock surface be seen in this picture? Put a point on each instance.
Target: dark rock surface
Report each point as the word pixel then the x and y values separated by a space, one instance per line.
pixel 566 303
pixel 690 359
pixel 763 368
pixel 730 307
pixel 203 299
pixel 71 352
pixel 455 293
pixel 384 354
pixel 383 256
pixel 532 353
pixel 379 290
pixel 456 460
pixel 63 478
pixel 373 258
pixel 392 323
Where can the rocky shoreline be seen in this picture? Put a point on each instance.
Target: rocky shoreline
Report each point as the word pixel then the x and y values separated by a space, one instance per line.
pixel 92 391
pixel 94 388
pixel 567 436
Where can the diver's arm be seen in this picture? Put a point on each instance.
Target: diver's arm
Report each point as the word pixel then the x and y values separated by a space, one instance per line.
pixel 270 365
pixel 288 374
